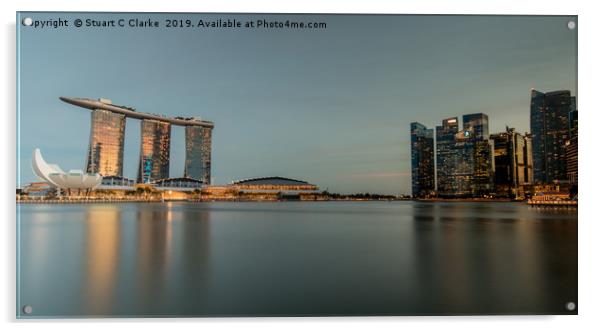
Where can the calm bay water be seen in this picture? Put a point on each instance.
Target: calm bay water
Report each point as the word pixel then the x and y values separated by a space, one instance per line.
pixel 295 258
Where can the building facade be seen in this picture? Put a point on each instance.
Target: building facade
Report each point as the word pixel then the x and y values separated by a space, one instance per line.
pixel 510 153
pixel 464 157
pixel 572 149
pixel 446 155
pixel 477 125
pixel 550 130
pixel 105 151
pixel 476 130
pixel 155 139
pixel 528 153
pixel 198 153
pixel 423 160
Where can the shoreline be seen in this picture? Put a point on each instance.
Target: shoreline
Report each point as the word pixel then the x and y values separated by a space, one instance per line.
pixel 87 201
pixel 468 200
pixel 543 203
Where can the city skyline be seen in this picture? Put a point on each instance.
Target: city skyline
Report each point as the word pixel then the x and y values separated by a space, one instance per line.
pixel 326 116
pixel 470 162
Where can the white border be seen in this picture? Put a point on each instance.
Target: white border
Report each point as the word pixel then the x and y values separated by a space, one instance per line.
pixel 590 223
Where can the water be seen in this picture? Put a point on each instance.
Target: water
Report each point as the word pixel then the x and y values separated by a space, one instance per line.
pixel 296 258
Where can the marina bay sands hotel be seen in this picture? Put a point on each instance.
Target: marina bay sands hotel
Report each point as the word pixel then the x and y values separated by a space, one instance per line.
pixel 107 135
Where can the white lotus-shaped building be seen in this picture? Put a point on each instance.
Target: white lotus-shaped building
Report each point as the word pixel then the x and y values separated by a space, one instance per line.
pixel 55 176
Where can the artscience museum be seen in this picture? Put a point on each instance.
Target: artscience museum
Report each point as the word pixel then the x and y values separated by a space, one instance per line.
pixel 55 176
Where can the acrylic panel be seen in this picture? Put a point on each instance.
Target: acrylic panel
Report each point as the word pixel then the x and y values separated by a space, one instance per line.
pixel 205 164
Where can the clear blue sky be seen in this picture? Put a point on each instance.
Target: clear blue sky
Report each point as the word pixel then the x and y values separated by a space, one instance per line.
pixel 331 106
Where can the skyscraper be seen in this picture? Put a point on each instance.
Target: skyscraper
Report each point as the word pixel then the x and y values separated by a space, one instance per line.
pixel 477 125
pixel 528 155
pixel 464 158
pixel 446 156
pixel 550 129
pixel 510 162
pixel 198 153
pixel 423 160
pixel 484 167
pixel 572 149
pixel 476 129
pixel 154 150
pixel 105 151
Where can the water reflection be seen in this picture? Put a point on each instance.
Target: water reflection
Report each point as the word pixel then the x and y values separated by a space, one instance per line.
pixel 191 275
pixel 477 259
pixel 101 258
pixel 171 259
pixel 153 232
pixel 181 259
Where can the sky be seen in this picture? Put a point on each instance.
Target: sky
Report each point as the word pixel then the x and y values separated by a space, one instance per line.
pixel 329 106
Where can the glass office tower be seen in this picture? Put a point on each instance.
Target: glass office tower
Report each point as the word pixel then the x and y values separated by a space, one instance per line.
pixel 423 160
pixel 477 124
pixel 484 167
pixel 154 150
pixel 510 163
pixel 198 153
pixel 528 154
pixel 550 130
pixel 572 149
pixel 464 157
pixel 476 129
pixel 446 159
pixel 105 151
pixel 463 162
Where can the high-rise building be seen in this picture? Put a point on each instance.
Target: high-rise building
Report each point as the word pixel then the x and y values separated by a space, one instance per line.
pixel 154 150
pixel 476 129
pixel 464 158
pixel 463 166
pixel 528 155
pixel 105 151
pixel 510 162
pixel 423 160
pixel 446 155
pixel 572 149
pixel 198 153
pixel 477 125
pixel 484 167
pixel 550 130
